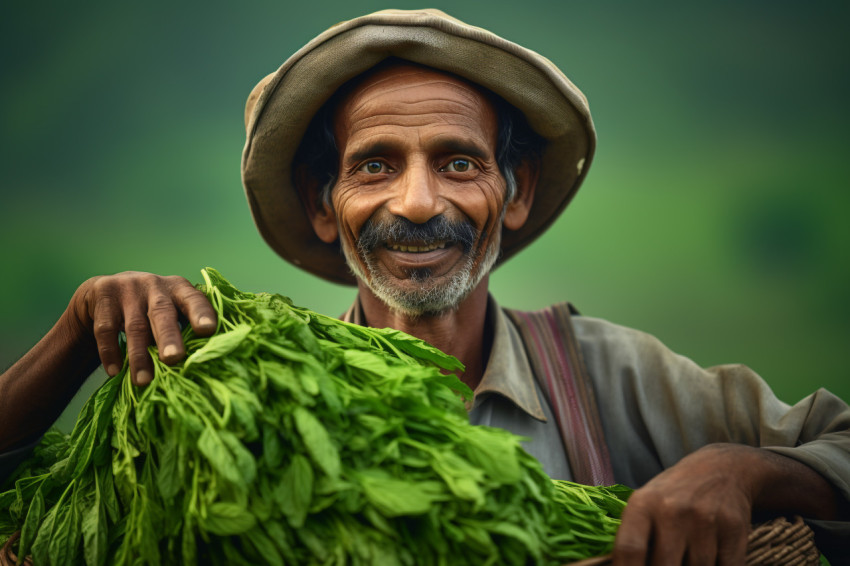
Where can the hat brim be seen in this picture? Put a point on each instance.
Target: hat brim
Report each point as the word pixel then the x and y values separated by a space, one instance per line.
pixel 281 107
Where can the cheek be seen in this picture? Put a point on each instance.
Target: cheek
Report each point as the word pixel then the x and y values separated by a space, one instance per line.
pixel 353 209
pixel 483 203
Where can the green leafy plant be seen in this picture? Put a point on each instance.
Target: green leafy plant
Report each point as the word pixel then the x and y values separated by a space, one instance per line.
pixel 289 437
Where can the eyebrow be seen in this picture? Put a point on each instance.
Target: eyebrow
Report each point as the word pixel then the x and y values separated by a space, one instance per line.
pixel 452 145
pixel 369 150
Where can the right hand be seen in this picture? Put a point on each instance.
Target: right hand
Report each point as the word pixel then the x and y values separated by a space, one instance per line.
pixel 146 307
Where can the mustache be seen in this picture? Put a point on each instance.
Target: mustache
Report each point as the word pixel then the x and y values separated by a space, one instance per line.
pixel 400 230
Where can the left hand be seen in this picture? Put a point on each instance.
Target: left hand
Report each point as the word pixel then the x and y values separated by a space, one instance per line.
pixel 696 512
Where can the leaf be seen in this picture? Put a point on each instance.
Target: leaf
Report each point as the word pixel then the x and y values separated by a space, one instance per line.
pixel 33 521
pixel 266 549
pixel 244 461
pixel 95 531
pixel 108 499
pixel 496 452
pixel 421 350
pixel 224 518
pixel 294 492
pixel 367 361
pixel 60 548
pixel 272 447
pixel 81 453
pixel 282 539
pixel 396 497
pixel 317 442
pixel 45 535
pixel 244 414
pixel 463 479
pixel 219 345
pixel 168 479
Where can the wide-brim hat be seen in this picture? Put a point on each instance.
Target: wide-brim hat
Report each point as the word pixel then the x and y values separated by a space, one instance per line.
pixel 282 105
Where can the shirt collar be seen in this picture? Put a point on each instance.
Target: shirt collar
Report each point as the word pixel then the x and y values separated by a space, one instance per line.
pixel 508 372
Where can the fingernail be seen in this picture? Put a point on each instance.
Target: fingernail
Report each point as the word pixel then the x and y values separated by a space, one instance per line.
pixel 205 321
pixel 113 370
pixel 169 351
pixel 143 377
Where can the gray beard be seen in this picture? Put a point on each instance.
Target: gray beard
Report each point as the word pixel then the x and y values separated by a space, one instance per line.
pixel 431 297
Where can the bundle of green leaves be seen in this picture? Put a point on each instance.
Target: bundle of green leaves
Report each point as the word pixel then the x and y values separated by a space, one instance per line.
pixel 289 437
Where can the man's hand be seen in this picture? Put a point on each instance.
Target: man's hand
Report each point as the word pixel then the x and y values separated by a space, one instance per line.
pixel 38 387
pixel 699 511
pixel 146 307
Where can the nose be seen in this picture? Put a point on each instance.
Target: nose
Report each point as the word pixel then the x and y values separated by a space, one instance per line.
pixel 417 195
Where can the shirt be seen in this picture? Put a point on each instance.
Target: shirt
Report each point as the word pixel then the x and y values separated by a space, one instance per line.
pixel 657 406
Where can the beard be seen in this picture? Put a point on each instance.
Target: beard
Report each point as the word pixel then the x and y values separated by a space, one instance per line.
pixel 431 295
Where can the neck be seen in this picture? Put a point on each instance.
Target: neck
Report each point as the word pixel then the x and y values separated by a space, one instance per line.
pixel 459 332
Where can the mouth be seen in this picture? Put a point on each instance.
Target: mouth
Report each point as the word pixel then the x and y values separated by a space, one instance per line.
pixel 417 248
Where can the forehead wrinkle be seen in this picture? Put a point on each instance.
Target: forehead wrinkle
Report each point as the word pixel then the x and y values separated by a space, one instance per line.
pixel 404 119
pixel 431 105
pixel 385 102
pixel 423 77
pixel 378 135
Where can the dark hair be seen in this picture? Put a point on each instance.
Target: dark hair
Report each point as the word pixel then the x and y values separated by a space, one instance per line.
pixel 515 140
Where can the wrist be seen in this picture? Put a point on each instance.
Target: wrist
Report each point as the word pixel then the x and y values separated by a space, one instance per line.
pixel 777 484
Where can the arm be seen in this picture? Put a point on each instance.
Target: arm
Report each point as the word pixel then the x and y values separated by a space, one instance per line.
pixel 700 509
pixel 663 414
pixel 35 390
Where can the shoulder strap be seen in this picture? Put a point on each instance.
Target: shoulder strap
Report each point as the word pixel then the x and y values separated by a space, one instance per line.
pixel 558 366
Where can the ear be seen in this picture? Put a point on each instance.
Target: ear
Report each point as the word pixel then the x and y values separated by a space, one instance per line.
pixel 519 208
pixel 321 214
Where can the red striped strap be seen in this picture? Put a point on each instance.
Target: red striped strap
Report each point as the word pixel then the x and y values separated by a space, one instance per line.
pixel 558 366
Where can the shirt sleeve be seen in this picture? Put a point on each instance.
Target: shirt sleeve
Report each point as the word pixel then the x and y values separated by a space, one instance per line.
pixel 657 406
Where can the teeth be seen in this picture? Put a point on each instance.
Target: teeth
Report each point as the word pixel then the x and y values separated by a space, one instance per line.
pixel 417 249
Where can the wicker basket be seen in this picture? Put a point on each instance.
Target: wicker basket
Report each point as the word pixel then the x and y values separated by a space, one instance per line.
pixel 775 543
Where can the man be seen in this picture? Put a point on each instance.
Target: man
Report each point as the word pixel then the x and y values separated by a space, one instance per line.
pixel 424 151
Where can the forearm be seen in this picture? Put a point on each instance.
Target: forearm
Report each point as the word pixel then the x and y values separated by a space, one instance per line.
pixel 791 487
pixel 36 389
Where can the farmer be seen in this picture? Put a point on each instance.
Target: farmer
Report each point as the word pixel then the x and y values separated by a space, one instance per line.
pixel 408 153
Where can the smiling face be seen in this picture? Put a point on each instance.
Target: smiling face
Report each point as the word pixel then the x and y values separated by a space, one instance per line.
pixel 419 201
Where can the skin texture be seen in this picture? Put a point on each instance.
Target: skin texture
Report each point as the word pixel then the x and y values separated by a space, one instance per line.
pixel 416 144
pixel 699 511
pixel 35 390
pixel 402 134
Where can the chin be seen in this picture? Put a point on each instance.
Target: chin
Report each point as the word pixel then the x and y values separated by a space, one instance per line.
pixel 423 294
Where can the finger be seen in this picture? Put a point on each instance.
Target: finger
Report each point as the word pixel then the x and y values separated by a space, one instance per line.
pixel 631 546
pixel 702 543
pixel 669 544
pixel 106 325
pixel 685 533
pixel 732 543
pixel 166 330
pixel 138 333
pixel 195 306
pixel 702 552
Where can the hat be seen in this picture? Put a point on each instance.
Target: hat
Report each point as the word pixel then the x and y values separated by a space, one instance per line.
pixel 281 106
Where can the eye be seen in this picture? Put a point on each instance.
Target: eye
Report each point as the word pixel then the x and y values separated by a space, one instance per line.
pixel 458 166
pixel 374 167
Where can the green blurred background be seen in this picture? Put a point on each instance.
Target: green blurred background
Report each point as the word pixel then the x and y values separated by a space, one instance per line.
pixel 713 215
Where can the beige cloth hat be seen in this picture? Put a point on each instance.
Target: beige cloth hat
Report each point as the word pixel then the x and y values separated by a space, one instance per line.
pixel 281 106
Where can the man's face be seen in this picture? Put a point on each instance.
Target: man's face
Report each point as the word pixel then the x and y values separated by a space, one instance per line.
pixel 420 198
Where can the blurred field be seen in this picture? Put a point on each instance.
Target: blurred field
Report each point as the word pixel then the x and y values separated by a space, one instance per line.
pixel 714 215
